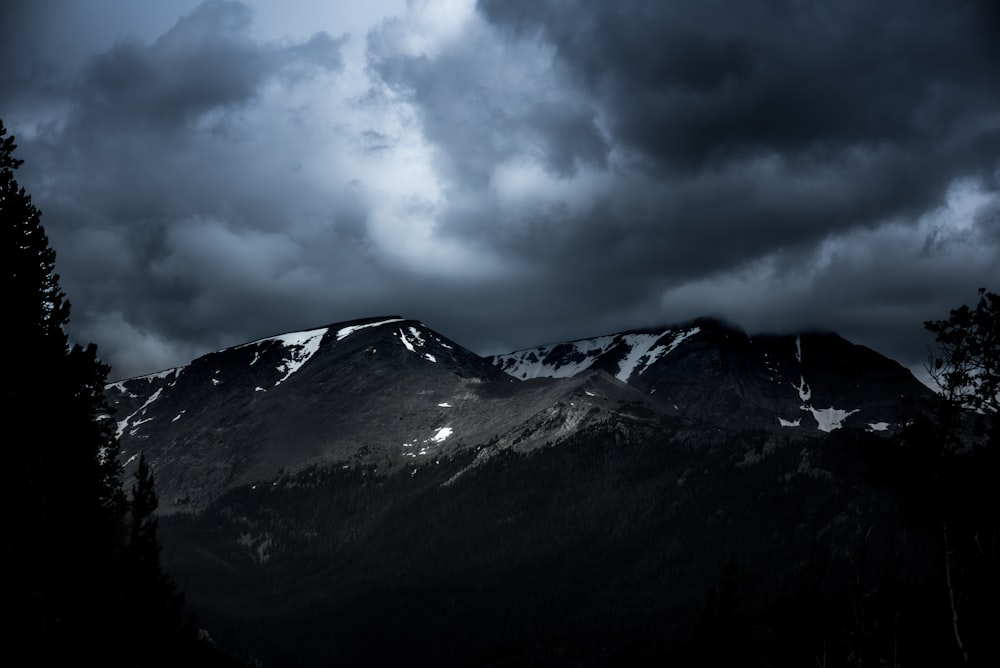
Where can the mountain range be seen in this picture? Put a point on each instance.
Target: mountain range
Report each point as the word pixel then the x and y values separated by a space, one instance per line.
pixel 394 393
pixel 373 492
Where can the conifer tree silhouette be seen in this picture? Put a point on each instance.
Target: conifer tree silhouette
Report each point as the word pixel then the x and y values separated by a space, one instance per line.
pixel 81 562
pixel 64 505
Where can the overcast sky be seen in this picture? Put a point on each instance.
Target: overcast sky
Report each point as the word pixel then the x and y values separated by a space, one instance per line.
pixel 510 172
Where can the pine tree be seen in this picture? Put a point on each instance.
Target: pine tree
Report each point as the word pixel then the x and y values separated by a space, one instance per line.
pixel 967 365
pixel 143 545
pixel 82 581
pixel 153 601
pixel 967 433
pixel 63 502
pixel 80 569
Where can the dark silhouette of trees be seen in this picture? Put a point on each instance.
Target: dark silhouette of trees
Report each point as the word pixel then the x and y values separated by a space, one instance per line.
pixel 80 581
pixel 155 625
pixel 63 503
pixel 966 432
pixel 966 366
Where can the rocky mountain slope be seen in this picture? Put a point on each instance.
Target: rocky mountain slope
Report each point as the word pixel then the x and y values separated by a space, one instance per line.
pixel 709 370
pixel 393 393
pixel 371 492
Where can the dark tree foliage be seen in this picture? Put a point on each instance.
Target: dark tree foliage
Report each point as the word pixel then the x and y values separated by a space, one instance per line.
pixel 967 364
pixel 142 534
pixel 155 623
pixel 959 445
pixel 71 569
pixel 64 505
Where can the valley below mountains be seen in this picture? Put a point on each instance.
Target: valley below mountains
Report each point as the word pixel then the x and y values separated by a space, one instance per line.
pixel 371 492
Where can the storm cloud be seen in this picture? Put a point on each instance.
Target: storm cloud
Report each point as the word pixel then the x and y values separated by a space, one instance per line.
pixel 513 173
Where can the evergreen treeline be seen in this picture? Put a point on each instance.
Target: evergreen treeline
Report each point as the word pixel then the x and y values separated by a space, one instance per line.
pixel 82 576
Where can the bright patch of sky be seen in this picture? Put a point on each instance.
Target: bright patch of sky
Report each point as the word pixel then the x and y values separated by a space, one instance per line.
pixel 522 182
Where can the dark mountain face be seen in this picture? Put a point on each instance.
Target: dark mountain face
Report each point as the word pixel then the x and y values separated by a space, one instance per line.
pixel 384 392
pixel 372 492
pixel 709 371
pixel 393 393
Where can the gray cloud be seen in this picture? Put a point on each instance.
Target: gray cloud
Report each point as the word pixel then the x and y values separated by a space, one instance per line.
pixel 694 82
pixel 731 135
pixel 529 172
pixel 170 221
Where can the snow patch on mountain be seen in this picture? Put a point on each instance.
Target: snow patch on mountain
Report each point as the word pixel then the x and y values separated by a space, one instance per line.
pixel 135 426
pixel 413 341
pixel 300 347
pixel 124 424
pixel 827 419
pixel 555 360
pixel 562 360
pixel 639 351
pixel 804 392
pixel 344 332
pixel 643 351
pixel 149 377
pixel 831 418
pixel 417 337
pixel 442 434
pixel 662 350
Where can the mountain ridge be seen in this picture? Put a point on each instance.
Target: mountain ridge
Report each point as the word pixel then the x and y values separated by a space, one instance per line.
pixel 377 473
pixel 393 393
